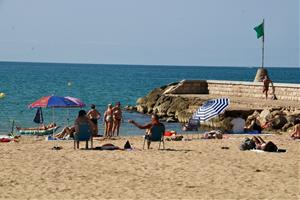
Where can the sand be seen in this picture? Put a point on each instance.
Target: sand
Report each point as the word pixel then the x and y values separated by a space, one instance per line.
pixel 197 169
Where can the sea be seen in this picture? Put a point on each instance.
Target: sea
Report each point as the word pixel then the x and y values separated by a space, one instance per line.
pixel 102 84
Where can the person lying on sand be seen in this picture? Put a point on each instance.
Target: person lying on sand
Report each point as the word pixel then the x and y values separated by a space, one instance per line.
pixel 260 144
pixel 215 134
pixel 66 133
pixel 42 127
pixel 296 133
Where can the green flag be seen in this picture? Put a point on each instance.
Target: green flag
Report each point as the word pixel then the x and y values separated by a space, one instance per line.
pixel 259 30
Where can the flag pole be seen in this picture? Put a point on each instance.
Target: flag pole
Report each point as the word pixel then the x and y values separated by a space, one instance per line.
pixel 263 46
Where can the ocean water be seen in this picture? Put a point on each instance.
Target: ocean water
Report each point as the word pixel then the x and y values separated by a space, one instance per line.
pixel 23 83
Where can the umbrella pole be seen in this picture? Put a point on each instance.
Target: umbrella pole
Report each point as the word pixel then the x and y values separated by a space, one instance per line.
pixel 68 119
pixel 53 123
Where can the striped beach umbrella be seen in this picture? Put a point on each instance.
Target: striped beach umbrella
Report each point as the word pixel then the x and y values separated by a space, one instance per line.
pixel 53 102
pixel 211 109
pixel 77 101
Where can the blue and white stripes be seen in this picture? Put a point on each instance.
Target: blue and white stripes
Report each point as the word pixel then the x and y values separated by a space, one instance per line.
pixel 211 109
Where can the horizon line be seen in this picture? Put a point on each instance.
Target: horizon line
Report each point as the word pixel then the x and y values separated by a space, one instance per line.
pixel 156 65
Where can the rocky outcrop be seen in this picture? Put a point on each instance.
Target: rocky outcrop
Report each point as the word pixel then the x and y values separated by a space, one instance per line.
pixel 179 108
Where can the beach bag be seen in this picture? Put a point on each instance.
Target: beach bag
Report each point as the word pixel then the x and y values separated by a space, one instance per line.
pixel 247 144
pixel 127 145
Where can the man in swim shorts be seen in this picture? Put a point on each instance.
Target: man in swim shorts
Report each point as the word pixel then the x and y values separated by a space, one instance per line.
pixel 266 82
pixel 94 115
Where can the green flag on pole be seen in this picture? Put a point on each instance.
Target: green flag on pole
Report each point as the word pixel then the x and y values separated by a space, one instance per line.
pixel 259 30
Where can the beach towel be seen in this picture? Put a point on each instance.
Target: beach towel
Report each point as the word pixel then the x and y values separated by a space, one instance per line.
pixel 6 138
pixel 108 147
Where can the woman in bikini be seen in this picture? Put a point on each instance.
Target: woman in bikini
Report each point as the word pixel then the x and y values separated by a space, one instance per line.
pixel 108 119
pixel 117 117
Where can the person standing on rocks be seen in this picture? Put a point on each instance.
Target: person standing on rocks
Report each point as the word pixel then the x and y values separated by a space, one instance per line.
pixel 266 83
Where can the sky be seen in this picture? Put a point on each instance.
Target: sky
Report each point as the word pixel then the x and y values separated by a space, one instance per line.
pixel 150 32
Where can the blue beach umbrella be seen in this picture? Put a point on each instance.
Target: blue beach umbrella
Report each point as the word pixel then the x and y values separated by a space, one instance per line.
pixel 210 109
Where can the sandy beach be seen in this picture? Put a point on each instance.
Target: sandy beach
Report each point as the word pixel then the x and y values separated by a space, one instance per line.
pixel 196 169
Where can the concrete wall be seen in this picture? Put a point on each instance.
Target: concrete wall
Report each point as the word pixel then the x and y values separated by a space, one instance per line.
pixel 283 91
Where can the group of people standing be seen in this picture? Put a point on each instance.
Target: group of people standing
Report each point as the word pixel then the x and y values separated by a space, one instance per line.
pixel 112 119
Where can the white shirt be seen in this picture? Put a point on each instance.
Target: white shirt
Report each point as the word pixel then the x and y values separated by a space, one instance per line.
pixel 238 125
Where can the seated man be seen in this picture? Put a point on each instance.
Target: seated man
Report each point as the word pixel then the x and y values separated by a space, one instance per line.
pixel 296 133
pixel 238 125
pixel 149 126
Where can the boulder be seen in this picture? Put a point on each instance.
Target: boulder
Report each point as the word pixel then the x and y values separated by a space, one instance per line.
pixel 278 122
pixel 130 108
pixel 177 104
pixel 265 116
pixel 161 109
pixel 141 109
pixel 183 116
pixel 141 101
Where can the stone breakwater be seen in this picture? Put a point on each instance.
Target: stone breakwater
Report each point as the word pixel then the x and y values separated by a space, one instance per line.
pixel 177 102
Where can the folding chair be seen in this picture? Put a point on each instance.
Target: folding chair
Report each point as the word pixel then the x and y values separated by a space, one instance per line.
pixel 84 134
pixel 157 135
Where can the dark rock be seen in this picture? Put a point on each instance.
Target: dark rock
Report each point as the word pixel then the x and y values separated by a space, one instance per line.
pixel 130 108
pixel 183 116
pixel 278 122
pixel 177 104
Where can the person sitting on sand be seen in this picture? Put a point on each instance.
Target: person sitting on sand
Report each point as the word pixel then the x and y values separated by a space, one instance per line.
pixel 66 133
pixel 154 121
pixel 254 126
pixel 296 133
pixel 260 144
pixel 238 125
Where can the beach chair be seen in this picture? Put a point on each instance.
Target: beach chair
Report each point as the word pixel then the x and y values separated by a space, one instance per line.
pixel 157 135
pixel 84 134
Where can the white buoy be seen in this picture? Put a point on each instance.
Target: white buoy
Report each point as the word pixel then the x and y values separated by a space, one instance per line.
pixel 2 95
pixel 69 83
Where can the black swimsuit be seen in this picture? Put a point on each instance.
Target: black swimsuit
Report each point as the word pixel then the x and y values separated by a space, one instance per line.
pixel 95 121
